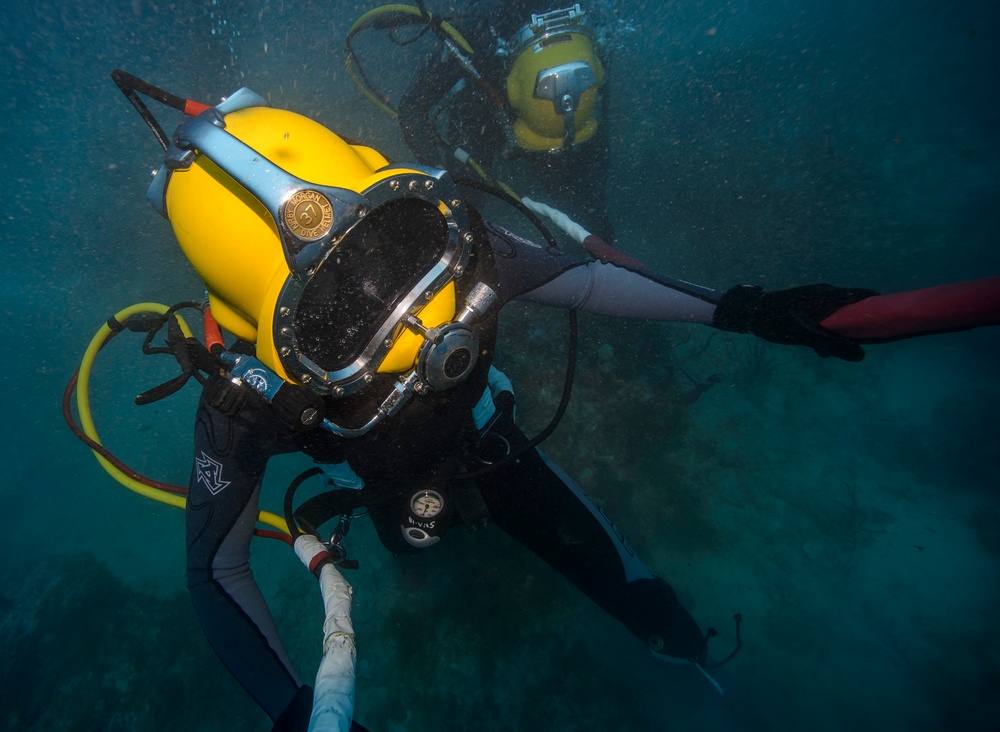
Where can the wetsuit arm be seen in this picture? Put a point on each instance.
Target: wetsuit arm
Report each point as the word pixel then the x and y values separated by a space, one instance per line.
pixel 534 273
pixel 610 289
pixel 539 274
pixel 787 317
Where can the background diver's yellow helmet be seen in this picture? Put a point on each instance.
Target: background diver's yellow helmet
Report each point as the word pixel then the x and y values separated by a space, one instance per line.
pixel 554 80
pixel 328 258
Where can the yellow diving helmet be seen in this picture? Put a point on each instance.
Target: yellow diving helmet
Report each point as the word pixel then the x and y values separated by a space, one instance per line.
pixel 554 81
pixel 336 264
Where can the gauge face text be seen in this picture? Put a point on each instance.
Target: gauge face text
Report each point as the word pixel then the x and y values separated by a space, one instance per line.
pixel 427 504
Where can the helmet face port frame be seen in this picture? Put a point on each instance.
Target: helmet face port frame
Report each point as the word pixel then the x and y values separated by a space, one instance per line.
pixel 347 320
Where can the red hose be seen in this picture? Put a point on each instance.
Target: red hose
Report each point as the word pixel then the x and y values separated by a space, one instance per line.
pixel 951 307
pixel 193 108
pixel 600 249
pixel 213 334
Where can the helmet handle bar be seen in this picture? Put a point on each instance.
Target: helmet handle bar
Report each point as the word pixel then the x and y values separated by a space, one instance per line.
pixel 129 85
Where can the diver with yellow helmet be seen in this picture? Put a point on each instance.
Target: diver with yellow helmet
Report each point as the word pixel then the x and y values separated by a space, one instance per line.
pixel 360 298
pixel 522 80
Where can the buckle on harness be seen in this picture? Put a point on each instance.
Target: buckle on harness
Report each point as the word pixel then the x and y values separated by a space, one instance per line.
pixel 297 406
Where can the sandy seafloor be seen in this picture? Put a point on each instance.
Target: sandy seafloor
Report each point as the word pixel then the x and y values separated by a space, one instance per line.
pixel 849 511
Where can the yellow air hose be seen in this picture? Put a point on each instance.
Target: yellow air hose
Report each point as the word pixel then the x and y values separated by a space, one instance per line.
pixel 89 429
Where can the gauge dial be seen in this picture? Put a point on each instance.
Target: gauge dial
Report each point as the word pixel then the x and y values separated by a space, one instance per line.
pixel 426 504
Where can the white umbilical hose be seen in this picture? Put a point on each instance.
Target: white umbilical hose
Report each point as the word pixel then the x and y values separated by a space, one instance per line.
pixel 333 695
pixel 560 219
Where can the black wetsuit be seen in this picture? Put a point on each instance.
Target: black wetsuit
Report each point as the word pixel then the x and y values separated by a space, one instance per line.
pixel 531 499
pixel 574 180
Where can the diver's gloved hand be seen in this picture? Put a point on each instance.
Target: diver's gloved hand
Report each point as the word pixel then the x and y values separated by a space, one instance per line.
pixel 791 317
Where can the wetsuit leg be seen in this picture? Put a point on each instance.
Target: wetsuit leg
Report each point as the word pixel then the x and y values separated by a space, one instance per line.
pixel 230 455
pixel 541 507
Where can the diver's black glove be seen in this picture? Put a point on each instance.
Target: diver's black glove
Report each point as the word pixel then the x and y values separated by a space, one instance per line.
pixel 791 317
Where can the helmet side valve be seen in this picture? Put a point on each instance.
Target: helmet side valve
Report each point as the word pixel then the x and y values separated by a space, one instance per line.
pixel 479 300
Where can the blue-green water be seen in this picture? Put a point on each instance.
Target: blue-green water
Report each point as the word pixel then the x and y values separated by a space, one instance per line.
pixel 850 511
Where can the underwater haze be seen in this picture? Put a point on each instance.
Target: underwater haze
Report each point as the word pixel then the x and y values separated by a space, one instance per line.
pixel 849 511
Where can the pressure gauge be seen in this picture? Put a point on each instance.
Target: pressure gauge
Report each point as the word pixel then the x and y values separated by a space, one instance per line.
pixel 426 504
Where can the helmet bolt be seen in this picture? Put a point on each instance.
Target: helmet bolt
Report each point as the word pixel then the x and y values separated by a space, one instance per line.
pixel 459 270
pixel 369 378
pixel 428 184
pixel 414 185
pixel 287 332
pixel 338 391
pixel 285 311
pixel 428 295
pixel 285 351
pixel 362 211
pixel 467 237
pixel 308 416
pixel 394 184
pixel 456 203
